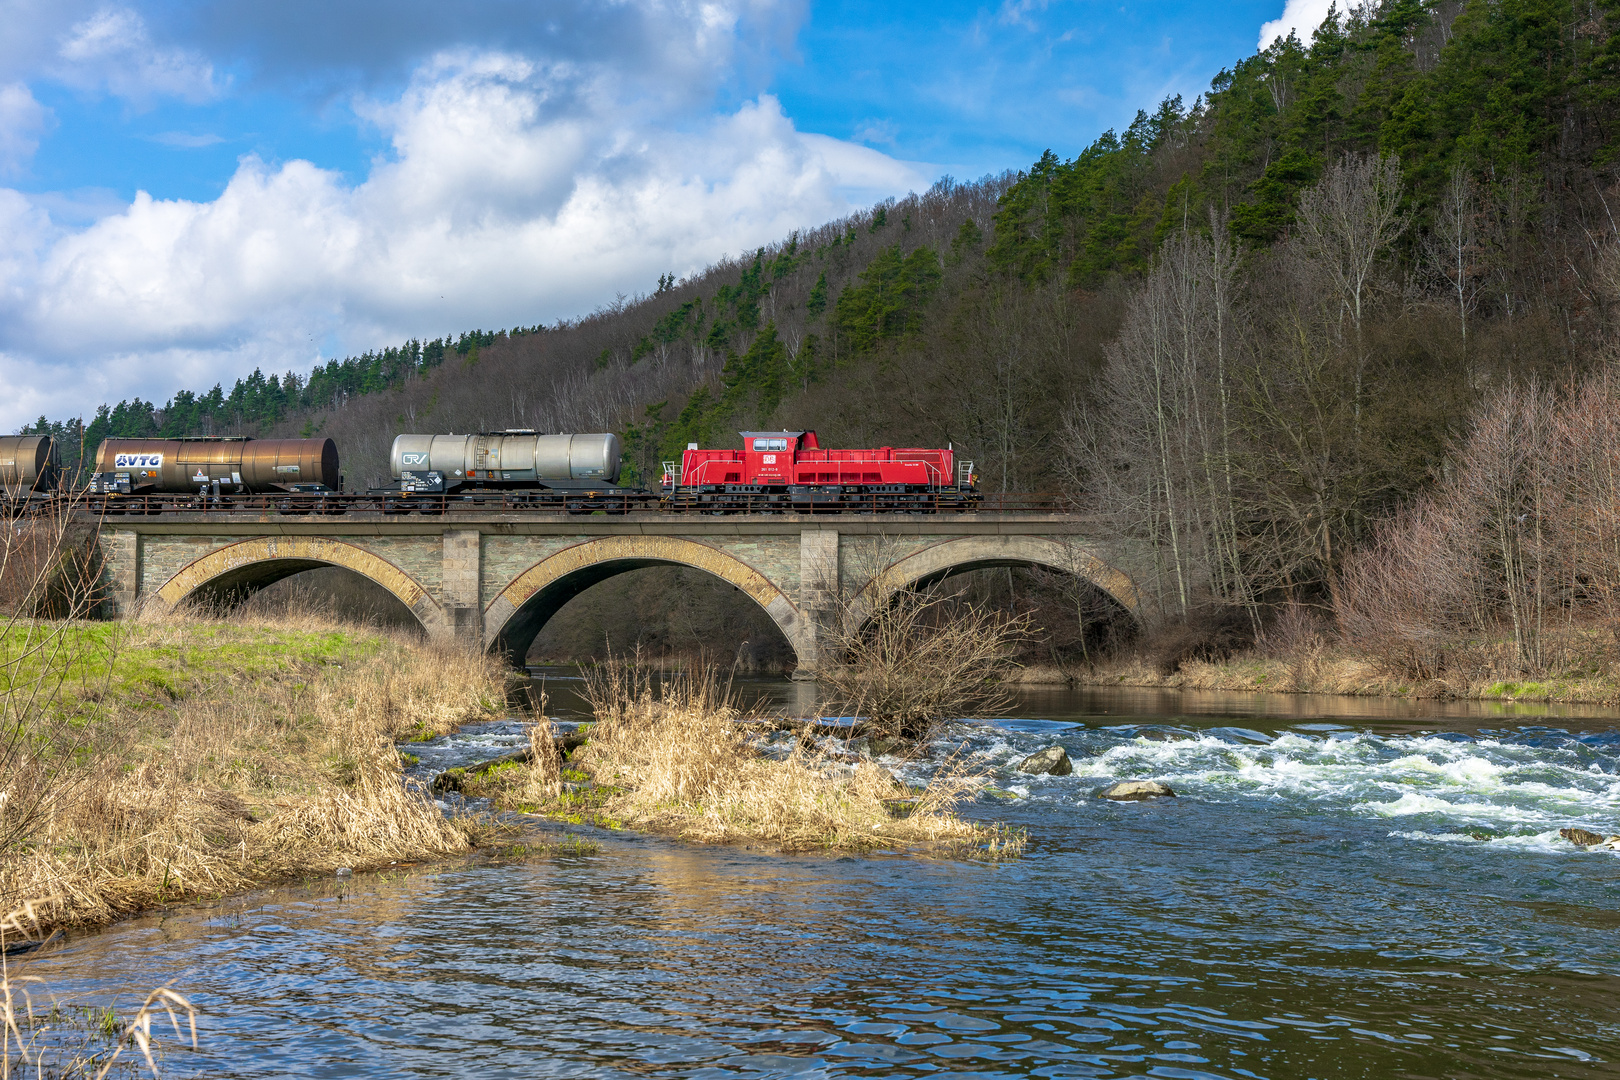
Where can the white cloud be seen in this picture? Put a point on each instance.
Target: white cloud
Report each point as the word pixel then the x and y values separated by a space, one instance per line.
pixel 516 192
pixel 22 120
pixel 1301 16
pixel 113 49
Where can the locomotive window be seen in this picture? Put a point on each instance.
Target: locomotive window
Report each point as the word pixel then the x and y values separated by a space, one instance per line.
pixel 770 444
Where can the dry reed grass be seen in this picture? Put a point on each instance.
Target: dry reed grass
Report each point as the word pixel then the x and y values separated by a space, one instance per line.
pixel 1482 669
pixel 33 1039
pixel 267 753
pixel 674 759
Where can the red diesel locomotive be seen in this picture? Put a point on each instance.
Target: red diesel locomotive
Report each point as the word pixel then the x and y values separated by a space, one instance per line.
pixel 790 470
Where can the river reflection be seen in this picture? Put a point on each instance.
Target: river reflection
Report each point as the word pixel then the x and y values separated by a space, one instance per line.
pixel 1329 897
pixel 565 689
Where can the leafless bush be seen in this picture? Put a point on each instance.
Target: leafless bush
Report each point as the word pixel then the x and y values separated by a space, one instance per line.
pixel 1587 435
pixel 1299 637
pixel 919 660
pixel 50 564
pixel 1404 598
pixel 1209 632
pixel 1295 627
pixel 1520 538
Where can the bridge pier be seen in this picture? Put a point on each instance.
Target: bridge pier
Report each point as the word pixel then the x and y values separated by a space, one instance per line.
pixel 461 577
pixel 121 553
pixel 819 586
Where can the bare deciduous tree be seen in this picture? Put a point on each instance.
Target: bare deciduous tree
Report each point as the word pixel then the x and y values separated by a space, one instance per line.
pixel 1453 250
pixel 1347 222
pixel 1155 448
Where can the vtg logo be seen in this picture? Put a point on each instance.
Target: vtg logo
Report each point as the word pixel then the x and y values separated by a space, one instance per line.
pixel 137 461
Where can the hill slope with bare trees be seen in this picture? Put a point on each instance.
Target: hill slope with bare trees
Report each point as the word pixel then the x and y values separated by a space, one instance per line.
pixel 1247 330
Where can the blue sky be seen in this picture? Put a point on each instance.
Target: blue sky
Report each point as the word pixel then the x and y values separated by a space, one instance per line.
pixel 192 189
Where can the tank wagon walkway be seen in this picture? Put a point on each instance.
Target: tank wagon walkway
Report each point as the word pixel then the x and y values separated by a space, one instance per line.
pixel 494 578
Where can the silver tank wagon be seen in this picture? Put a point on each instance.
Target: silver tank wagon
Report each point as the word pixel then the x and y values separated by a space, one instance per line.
pixel 508 459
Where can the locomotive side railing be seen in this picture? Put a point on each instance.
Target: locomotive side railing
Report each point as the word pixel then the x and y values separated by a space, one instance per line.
pixel 310 504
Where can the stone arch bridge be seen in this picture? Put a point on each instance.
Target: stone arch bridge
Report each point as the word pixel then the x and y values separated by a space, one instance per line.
pixel 493 579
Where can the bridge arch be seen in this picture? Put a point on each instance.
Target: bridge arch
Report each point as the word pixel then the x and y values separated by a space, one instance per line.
pixel 250 565
pixel 938 561
pixel 515 617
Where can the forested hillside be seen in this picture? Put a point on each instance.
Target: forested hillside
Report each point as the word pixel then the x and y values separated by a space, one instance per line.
pixel 1246 327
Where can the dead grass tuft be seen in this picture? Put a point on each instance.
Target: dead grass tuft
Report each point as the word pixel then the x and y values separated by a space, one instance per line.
pixel 674 759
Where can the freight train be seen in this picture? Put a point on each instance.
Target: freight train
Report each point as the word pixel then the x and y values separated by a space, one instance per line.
pixel 775 471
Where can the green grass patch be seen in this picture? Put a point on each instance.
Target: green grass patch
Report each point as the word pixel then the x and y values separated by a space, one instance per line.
pixel 1519 690
pixel 152 667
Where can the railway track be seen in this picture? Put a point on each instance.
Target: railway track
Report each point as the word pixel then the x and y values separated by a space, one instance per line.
pixel 327 504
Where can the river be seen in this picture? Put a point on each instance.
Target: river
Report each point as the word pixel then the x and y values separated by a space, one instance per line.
pixel 1343 889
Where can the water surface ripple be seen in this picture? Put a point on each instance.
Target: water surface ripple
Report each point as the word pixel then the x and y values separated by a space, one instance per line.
pixel 1327 898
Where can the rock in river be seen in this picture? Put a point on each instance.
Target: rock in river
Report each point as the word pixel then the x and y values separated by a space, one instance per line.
pixel 1053 761
pixel 1582 837
pixel 1136 790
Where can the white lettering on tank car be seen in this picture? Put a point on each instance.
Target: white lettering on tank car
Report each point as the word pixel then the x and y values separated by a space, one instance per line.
pixel 137 461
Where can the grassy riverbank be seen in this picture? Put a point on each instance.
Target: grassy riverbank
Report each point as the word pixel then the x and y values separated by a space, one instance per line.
pixel 676 761
pixel 186 758
pixel 1588 672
